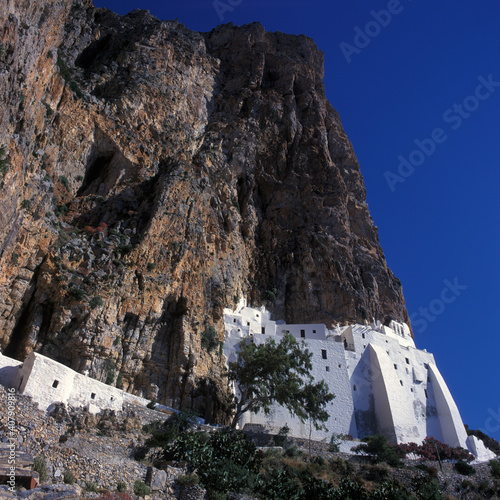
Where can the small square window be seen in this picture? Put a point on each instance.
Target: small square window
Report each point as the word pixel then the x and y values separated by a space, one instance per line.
pixel 303 334
pixel 263 330
pixel 323 353
pixel 363 335
pixel 395 367
pixel 314 331
pixel 248 323
pixel 340 366
pixel 55 383
pixel 401 382
pixel 92 396
pixel 327 368
pixel 354 388
pixel 407 361
pixel 234 320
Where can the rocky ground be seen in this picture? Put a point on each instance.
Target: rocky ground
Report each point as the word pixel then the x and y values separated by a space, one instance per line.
pixel 99 451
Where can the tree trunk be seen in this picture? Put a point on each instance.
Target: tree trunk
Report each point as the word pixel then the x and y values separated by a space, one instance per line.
pixel 310 432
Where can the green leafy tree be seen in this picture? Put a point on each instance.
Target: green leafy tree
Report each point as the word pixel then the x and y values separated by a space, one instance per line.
pixel 278 373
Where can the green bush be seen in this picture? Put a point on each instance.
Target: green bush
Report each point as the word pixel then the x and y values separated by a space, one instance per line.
pixel 96 302
pixel 164 433
pixel 64 181
pixel 188 480
pixel 26 204
pixel 65 73
pixel 40 466
pixel 380 450
pixel 69 477
pixel 152 404
pixel 334 443
pixel 4 161
pixel 121 486
pixel 225 460
pixel 76 292
pixel 495 468
pixel 209 340
pixel 281 439
pixel 110 372
pixel 464 468
pixel 151 266
pixel 119 381
pixel 91 486
pixel 140 488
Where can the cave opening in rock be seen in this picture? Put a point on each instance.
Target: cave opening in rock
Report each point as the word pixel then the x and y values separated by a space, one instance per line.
pixel 95 174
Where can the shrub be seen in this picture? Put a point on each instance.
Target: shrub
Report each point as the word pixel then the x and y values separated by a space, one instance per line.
pixel 140 488
pixel 90 486
pixel 164 433
pixel 119 381
pixel 363 312
pixel 281 438
pixel 426 489
pixel 61 209
pixel 76 292
pixel 381 451
pixel 64 181
pixel 48 110
pixel 188 480
pixel 225 460
pixel 428 450
pixel 64 72
pixel 26 204
pixel 151 266
pixel 271 294
pixel 334 443
pixel 40 466
pixel 121 486
pixel 110 372
pixel 96 302
pixel 464 468
pixel 4 161
pixel 69 477
pixel 152 404
pixel 495 468
pixel 209 340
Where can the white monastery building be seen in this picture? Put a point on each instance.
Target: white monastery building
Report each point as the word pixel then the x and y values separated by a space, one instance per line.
pixel 382 383
pixel 47 382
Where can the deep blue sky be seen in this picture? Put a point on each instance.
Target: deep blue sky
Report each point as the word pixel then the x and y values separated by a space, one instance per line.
pixel 417 74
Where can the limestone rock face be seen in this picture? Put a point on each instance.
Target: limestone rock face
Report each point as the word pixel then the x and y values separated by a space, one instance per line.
pixel 155 176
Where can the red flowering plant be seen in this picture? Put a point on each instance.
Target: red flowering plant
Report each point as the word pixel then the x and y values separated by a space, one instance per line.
pixel 428 448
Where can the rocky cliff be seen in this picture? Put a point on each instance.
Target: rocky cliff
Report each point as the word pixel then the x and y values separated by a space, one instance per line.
pixel 152 176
